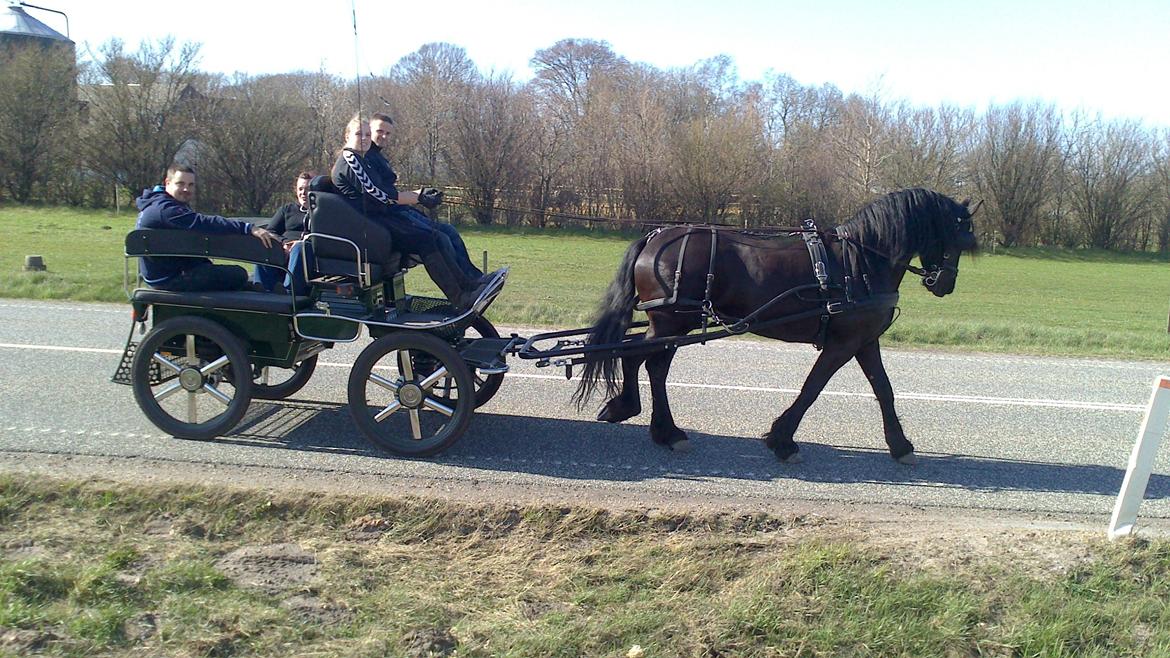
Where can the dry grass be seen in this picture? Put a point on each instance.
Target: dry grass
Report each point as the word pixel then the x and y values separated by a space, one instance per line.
pixel 94 568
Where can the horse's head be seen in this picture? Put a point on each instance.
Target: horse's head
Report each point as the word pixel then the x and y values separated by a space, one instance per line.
pixel 940 258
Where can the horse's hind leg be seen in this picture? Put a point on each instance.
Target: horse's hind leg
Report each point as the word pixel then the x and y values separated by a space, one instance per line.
pixel 779 438
pixel 869 358
pixel 627 403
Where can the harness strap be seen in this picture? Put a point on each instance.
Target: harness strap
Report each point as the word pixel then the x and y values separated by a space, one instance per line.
pixel 705 305
pixel 816 251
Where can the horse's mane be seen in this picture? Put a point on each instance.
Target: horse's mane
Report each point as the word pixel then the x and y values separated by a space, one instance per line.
pixel 902 222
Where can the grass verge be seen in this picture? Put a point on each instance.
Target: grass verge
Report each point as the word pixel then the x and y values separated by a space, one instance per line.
pixel 1038 301
pixel 94 568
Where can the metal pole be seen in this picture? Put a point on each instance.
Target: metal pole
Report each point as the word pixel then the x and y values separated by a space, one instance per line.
pixel 25 4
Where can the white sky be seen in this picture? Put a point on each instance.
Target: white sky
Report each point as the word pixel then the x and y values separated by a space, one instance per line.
pixel 1107 56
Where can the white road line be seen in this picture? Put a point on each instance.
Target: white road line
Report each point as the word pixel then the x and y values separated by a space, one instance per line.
pixel 53 307
pixel 57 348
pixel 929 397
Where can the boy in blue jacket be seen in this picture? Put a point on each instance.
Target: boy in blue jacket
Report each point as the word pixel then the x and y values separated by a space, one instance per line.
pixel 168 207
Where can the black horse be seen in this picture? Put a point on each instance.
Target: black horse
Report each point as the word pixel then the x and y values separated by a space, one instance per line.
pixel 771 288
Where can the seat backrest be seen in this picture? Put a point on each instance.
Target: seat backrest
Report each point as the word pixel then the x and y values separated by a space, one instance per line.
pixel 322 184
pixel 332 214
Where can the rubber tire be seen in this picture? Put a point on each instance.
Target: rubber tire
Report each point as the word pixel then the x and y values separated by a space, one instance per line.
pixel 240 371
pixel 404 445
pixel 301 374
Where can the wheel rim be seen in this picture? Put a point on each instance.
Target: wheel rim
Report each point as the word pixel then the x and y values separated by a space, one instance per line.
pixel 413 393
pixel 393 396
pixel 194 387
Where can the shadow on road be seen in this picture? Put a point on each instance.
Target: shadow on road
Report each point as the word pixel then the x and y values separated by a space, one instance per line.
pixel 624 453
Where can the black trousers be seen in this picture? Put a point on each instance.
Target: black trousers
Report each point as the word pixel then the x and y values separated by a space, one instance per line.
pixel 206 277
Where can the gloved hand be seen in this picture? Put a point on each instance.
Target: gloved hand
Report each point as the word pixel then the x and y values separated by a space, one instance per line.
pixel 430 197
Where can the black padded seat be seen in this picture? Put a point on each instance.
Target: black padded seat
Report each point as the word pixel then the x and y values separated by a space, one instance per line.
pixel 332 214
pixel 234 300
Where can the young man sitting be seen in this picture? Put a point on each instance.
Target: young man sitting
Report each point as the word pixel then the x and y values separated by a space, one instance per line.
pixel 167 207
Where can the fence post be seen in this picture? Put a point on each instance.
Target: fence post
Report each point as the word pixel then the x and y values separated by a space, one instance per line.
pixel 1141 461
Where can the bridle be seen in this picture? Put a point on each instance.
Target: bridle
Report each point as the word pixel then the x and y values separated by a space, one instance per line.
pixel 931 276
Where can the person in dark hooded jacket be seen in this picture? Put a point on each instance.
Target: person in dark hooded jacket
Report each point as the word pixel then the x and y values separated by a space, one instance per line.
pixel 167 207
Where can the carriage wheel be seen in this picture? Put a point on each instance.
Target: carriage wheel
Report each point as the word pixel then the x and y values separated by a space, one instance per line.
pixel 267 382
pixel 192 394
pixel 394 402
pixel 486 386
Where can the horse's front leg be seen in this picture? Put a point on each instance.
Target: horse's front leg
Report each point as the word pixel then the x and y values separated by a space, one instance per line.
pixel 663 431
pixel 869 357
pixel 779 438
pixel 627 403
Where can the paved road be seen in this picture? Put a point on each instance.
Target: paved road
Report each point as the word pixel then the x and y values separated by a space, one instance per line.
pixel 1003 436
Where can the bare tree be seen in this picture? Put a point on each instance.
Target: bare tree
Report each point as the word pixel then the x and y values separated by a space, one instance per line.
pixel 330 103
pixel 931 145
pixel 1017 159
pixel 862 145
pixel 801 178
pixel 1161 196
pixel 140 109
pixel 255 139
pixel 643 152
pixel 37 99
pixel 429 81
pixel 716 147
pixel 1106 182
pixel 564 71
pixel 490 141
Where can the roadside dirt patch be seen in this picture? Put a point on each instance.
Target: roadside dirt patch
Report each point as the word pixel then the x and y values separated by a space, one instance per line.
pixel 430 642
pixel 311 608
pixel 273 569
pixel 944 547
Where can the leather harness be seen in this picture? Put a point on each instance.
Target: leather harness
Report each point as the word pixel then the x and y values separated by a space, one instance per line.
pixel 821 267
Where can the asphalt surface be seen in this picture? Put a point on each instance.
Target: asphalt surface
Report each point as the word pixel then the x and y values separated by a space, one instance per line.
pixel 997 436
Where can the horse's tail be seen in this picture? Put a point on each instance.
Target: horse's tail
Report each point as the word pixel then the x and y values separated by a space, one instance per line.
pixel 613 319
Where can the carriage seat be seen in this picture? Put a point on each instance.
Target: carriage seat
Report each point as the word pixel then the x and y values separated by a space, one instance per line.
pixel 223 300
pixel 331 213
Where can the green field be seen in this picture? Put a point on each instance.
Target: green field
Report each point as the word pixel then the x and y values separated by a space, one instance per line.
pixel 1023 301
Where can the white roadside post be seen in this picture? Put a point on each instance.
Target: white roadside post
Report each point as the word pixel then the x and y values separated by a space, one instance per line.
pixel 1141 461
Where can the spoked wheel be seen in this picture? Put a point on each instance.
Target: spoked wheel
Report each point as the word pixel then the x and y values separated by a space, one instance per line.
pixel 393 397
pixel 184 373
pixel 270 383
pixel 485 385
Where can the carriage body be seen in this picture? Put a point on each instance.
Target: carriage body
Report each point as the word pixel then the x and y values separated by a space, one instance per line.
pixel 206 355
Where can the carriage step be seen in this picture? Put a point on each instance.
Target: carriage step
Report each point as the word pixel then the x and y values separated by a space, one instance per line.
pixel 125 373
pixel 487 355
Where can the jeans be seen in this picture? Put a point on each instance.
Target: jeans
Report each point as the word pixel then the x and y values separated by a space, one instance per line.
pixel 460 249
pixel 445 237
pixel 269 276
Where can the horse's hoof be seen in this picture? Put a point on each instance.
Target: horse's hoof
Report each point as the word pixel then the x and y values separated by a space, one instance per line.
pixel 682 445
pixel 609 414
pixel 794 458
pixel 908 459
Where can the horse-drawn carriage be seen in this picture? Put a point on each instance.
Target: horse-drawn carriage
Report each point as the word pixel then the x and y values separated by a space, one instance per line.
pixel 412 390
pixel 208 354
